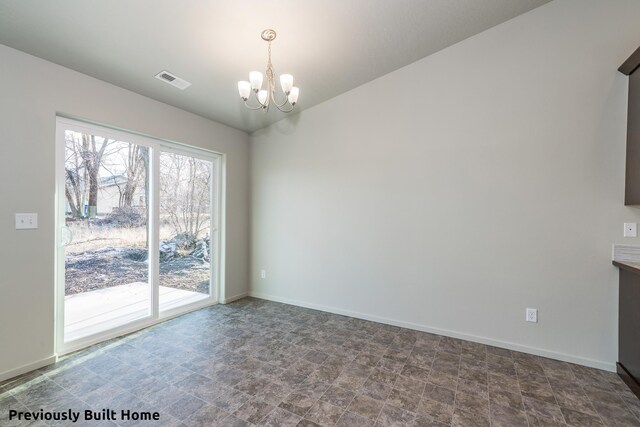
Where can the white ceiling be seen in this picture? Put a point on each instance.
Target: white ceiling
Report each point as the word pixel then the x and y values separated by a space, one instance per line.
pixel 330 46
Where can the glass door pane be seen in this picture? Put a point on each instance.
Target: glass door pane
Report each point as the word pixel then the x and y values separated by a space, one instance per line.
pixel 186 232
pixel 106 252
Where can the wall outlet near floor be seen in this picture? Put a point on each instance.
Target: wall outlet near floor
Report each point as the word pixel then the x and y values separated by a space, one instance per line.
pixel 532 315
pixel 630 229
pixel 263 274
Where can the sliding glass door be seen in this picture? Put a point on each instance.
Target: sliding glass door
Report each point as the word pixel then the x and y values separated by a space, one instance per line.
pixel 138 239
pixel 186 218
pixel 106 232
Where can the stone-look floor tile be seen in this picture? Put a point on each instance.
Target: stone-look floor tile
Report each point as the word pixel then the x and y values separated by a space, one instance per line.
pixel 230 400
pixel 415 372
pixel 298 403
pixel 423 421
pixel 498 351
pixel 497 382
pixel 206 416
pixel 375 390
pixel 421 360
pixel 478 375
pixel 443 380
pixel 538 421
pixel 633 403
pixel 507 399
pixel 481 391
pixel 252 385
pixel 349 419
pixel 507 416
pixel 615 415
pixel 464 418
pixel 580 419
pixel 409 386
pixel 224 356
pixel 402 400
pixel 313 389
pixel 383 376
pixel 544 393
pixel 350 381
pixel 308 423
pixel 324 413
pixel 368 359
pixel 338 396
pixel 436 410
pixel 602 396
pixel 439 394
pixel 575 402
pixel 185 407
pixel 366 407
pixel 273 393
pixel 543 409
pixel 315 356
pixel 232 421
pixel 253 411
pixel 280 418
pixel 394 417
pixel 325 373
pixel 469 403
pixel 391 365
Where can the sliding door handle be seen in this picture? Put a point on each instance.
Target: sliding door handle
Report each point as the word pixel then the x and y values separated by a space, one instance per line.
pixel 66 236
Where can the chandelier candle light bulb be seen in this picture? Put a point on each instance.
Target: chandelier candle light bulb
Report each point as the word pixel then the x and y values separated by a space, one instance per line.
pixel 255 77
pixel 244 88
pixel 265 97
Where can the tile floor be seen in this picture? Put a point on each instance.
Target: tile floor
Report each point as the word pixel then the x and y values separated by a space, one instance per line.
pixel 255 362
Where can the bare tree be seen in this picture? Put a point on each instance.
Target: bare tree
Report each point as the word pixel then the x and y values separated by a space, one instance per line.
pixel 74 173
pixel 92 153
pixel 185 194
pixel 85 155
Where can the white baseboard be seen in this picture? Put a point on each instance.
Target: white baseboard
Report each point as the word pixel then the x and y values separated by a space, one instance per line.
pixel 607 366
pixel 234 298
pixel 27 368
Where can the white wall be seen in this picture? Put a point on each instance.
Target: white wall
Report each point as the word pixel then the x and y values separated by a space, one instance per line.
pixel 32 91
pixel 455 192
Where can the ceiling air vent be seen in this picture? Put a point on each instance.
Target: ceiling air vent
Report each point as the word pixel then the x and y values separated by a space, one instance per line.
pixel 172 79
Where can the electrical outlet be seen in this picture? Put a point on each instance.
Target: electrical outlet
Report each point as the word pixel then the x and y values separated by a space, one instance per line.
pixel 630 229
pixel 532 315
pixel 263 274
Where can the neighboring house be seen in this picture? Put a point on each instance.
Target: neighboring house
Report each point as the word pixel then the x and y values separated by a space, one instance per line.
pixel 109 194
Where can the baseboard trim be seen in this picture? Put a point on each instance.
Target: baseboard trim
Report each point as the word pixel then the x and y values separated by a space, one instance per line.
pixel 27 368
pixel 611 367
pixel 234 298
pixel 629 379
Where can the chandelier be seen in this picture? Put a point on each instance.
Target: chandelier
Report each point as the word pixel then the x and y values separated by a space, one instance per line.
pixel 265 97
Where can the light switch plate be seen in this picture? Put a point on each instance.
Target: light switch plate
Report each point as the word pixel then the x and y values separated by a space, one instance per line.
pixel 26 221
pixel 630 229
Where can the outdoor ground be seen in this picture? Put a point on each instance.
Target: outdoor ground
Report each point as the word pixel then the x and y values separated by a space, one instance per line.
pixel 102 257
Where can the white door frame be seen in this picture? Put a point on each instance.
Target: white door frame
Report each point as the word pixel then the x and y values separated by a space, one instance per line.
pixel 217 206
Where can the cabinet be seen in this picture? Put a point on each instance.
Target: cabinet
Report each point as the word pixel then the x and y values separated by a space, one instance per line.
pixel 628 365
pixel 632 172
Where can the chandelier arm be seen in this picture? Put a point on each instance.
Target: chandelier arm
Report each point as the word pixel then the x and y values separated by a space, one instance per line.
pixel 253 108
pixel 285 111
pixel 285 102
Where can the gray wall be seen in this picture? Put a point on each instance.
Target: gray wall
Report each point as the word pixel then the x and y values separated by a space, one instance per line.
pixel 32 92
pixel 454 193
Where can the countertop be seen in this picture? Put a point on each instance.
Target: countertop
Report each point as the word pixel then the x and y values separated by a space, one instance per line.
pixel 633 267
